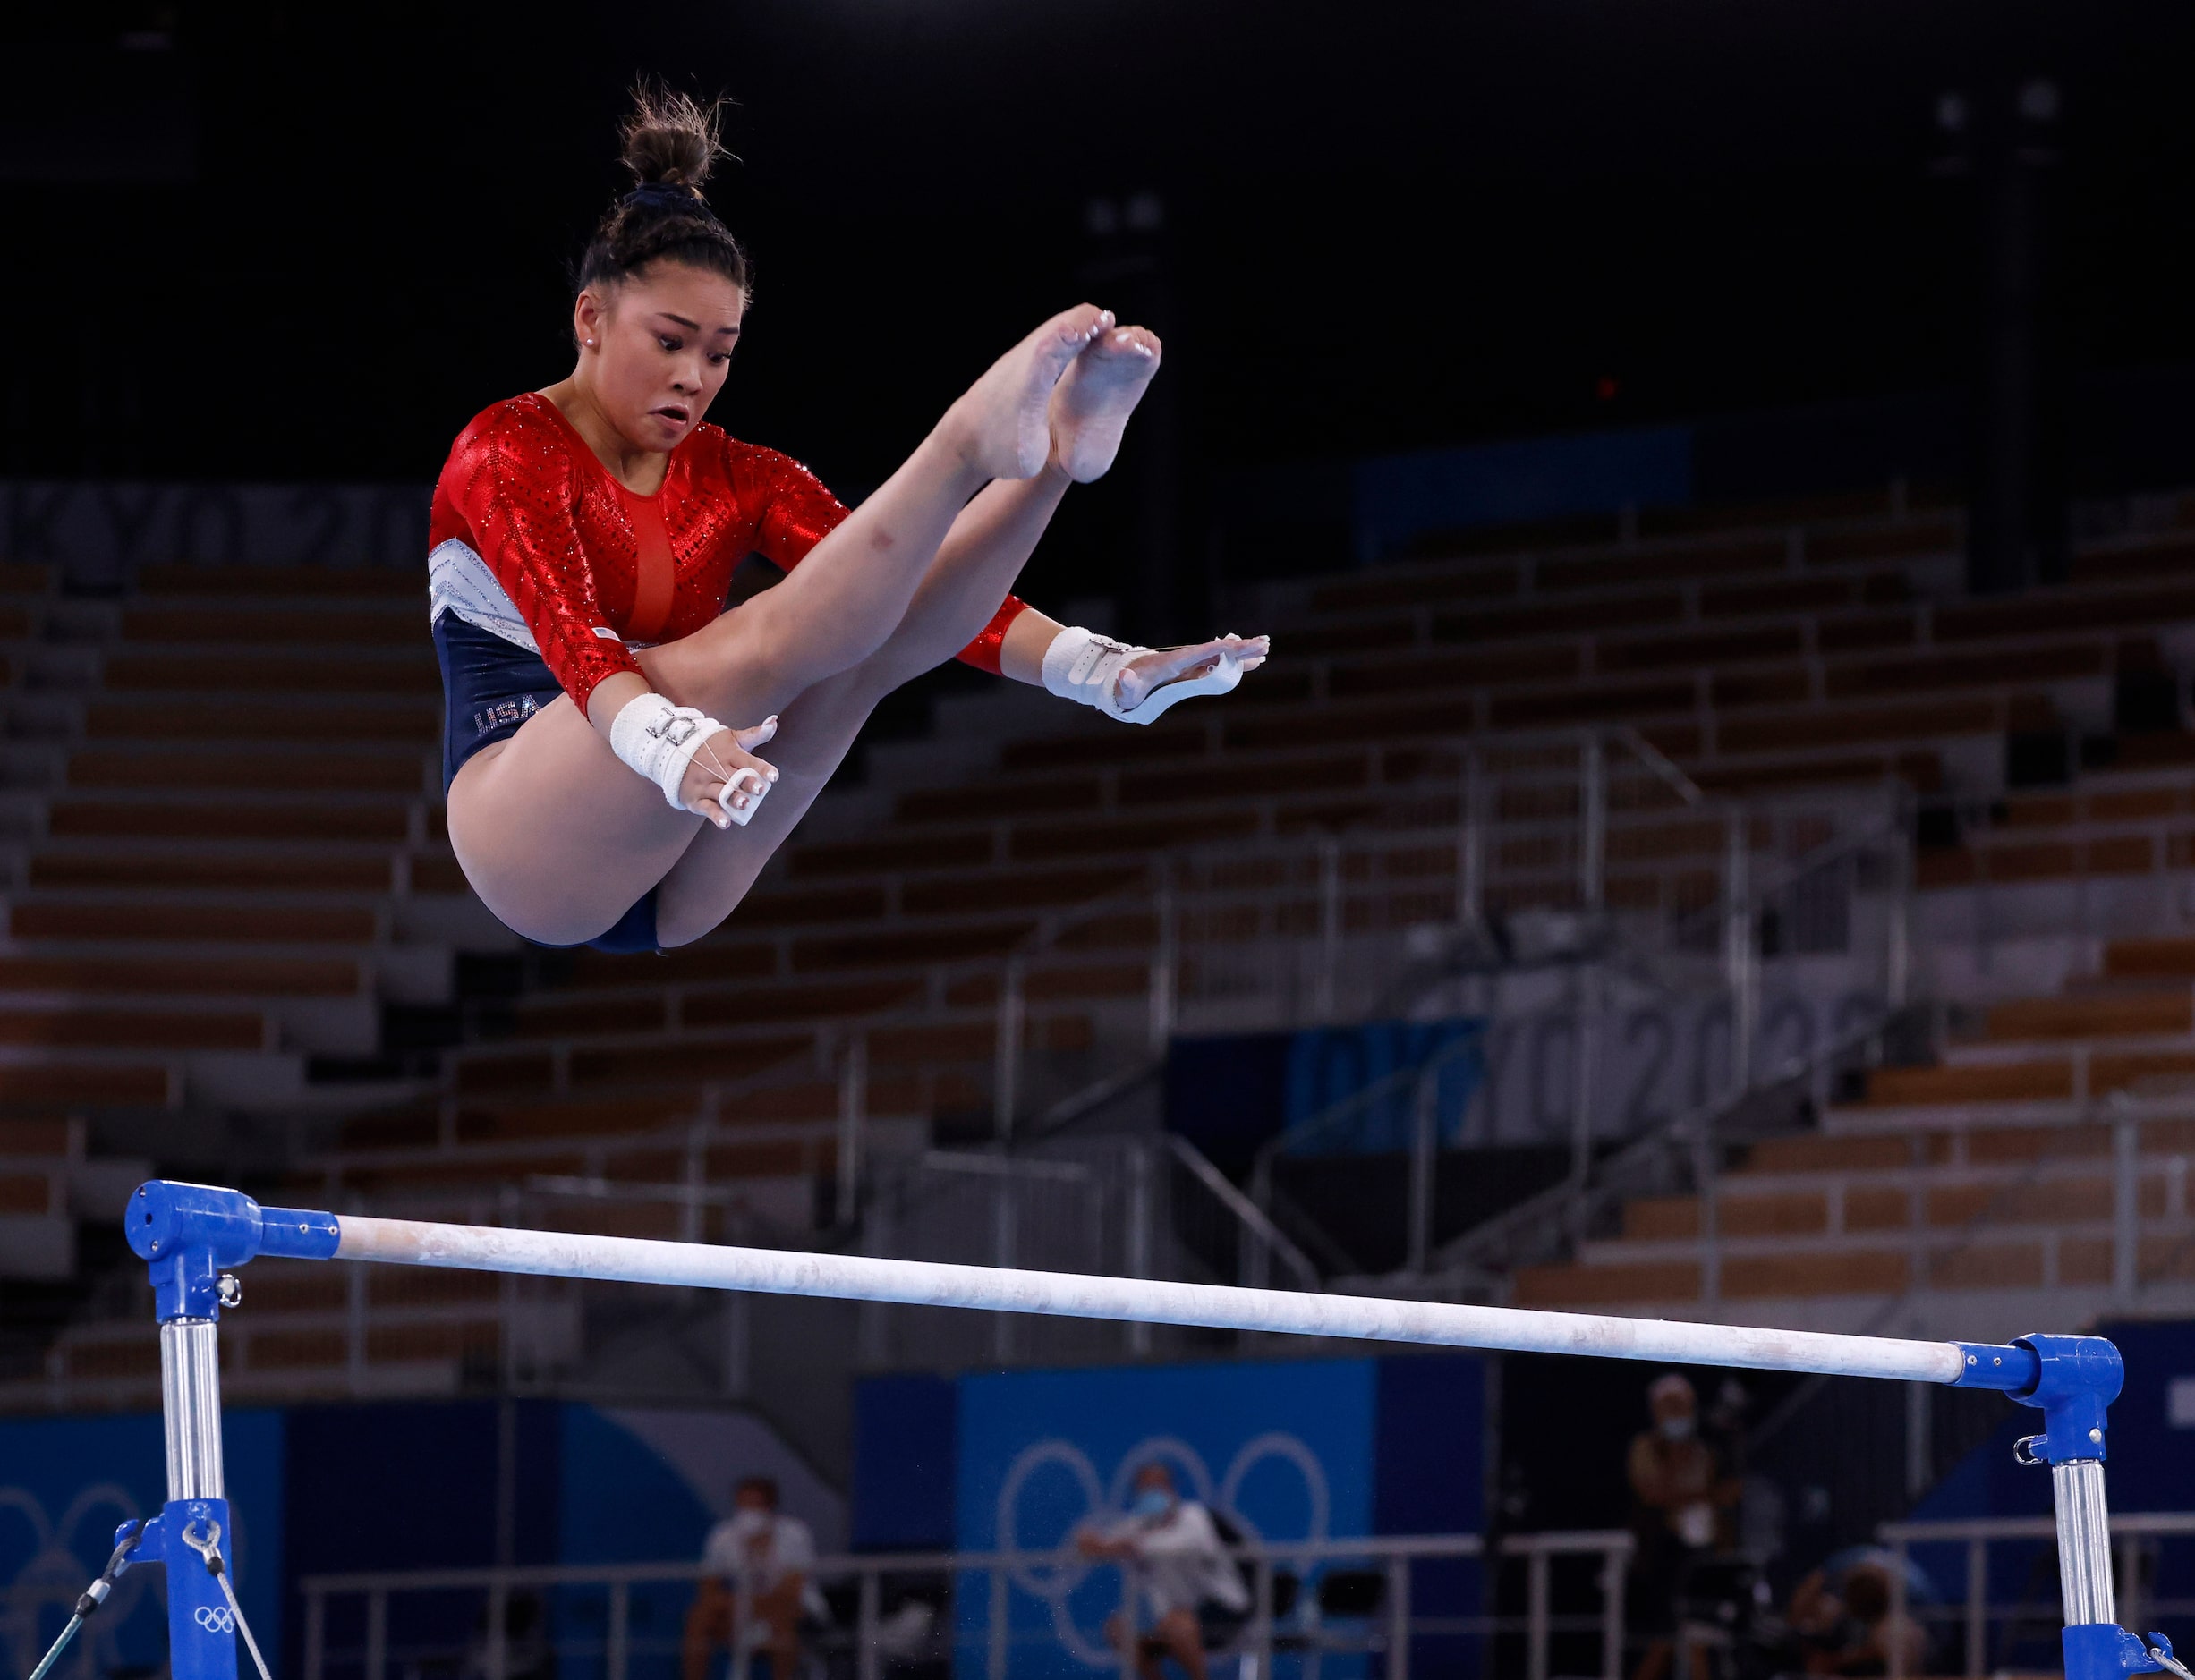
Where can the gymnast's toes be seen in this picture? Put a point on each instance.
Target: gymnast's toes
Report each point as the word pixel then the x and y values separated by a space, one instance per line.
pixel 1005 415
pixel 1090 410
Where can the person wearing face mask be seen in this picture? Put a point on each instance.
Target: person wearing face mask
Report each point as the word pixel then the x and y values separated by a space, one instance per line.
pixel 758 1589
pixel 1189 1589
pixel 1679 1492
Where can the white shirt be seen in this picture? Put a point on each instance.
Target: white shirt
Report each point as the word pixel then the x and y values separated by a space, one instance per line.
pixel 1180 1561
pixel 754 1550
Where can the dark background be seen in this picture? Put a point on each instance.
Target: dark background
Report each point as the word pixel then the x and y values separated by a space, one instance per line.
pixel 267 241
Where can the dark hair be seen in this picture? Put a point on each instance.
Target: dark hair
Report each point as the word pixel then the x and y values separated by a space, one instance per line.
pixel 670 144
pixel 767 1486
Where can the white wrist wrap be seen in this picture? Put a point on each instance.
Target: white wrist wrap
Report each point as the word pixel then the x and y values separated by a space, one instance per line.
pixel 1083 665
pixel 658 740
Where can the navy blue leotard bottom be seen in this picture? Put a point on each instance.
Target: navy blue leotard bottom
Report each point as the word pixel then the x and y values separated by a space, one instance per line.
pixel 489 687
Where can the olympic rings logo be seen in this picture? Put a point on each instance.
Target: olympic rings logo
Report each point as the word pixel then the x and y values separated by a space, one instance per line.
pixel 214 1618
pixel 1054 1583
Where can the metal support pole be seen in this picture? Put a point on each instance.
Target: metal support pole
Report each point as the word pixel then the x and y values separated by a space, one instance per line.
pixel 377 1634
pixel 867 1659
pixel 1471 848
pixel 497 1663
pixel 692 1181
pixel 2084 1540
pixel 1398 1617
pixel 1615 1565
pixel 354 1331
pixel 872 1326
pixel 1007 1054
pixel 994 1666
pixel 1977 1608
pixel 1330 927
pixel 1901 1563
pixel 1592 849
pixel 1707 1185
pixel 1535 1615
pixel 1738 949
pixel 1263 1610
pixel 1005 1222
pixel 615 1651
pixel 853 1121
pixel 1585 1093
pixel 738 1344
pixel 1425 1162
pixel 191 1408
pixel 1919 1447
pixel 2125 1206
pixel 1165 962
pixel 1898 949
pixel 1138 1256
pixel 202 1644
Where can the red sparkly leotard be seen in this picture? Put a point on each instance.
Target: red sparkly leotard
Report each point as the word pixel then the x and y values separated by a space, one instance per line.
pixel 590 564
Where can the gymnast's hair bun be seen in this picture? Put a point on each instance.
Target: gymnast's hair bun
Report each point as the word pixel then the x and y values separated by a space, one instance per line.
pixel 670 142
pixel 670 138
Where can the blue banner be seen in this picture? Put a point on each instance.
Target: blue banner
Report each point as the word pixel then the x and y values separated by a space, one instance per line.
pixel 1283 1450
pixel 1326 1065
pixel 67 1483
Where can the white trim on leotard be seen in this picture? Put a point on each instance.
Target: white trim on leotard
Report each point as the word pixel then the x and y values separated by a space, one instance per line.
pixel 459 582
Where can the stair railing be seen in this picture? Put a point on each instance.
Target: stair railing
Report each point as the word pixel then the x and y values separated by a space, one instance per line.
pixel 1735 925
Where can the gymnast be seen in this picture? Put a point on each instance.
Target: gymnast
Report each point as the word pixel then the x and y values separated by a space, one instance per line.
pixel 583 539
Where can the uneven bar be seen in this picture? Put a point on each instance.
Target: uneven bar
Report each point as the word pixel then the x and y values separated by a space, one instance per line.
pixel 919 1283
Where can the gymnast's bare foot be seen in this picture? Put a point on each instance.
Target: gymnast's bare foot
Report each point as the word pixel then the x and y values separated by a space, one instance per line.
pixel 1002 426
pixel 1140 678
pixel 1090 407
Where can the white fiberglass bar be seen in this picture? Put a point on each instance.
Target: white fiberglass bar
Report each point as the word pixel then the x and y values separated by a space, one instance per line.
pixel 921 1282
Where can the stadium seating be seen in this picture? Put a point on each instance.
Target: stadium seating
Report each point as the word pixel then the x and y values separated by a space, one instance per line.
pixel 2043 1153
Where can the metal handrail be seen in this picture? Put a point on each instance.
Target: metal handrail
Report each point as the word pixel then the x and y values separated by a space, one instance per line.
pixel 1252 1217
pixel 1681 1128
pixel 1389 1083
pixel 1976 1533
pixel 1915 1531
pixel 1698 1123
pixel 1389 1627
pixel 954 1562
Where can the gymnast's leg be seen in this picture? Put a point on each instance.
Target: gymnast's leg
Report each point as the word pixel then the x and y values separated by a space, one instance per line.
pixel 975 568
pixel 973 571
pixel 851 590
pixel 559 838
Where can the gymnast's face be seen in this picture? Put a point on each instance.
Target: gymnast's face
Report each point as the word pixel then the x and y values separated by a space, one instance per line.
pixel 663 342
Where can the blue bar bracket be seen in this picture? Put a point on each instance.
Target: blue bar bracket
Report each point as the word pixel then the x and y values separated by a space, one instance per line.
pixel 191 1234
pixel 2103 1651
pixel 2073 1378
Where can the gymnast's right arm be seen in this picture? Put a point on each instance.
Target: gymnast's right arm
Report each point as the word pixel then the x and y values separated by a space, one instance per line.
pixel 513 487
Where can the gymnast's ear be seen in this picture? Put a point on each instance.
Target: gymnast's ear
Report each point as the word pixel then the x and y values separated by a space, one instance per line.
pixel 591 312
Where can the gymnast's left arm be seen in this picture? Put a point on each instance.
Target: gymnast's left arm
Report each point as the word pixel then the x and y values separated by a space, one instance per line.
pixel 1135 684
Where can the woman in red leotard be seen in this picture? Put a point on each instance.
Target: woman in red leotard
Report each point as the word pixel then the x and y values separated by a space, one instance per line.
pixel 584 541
